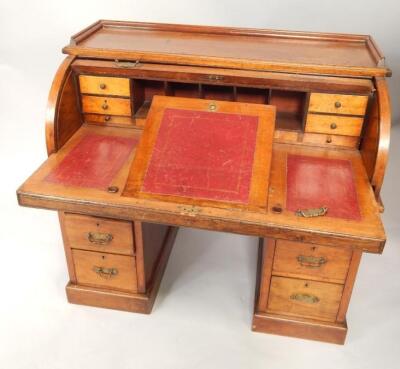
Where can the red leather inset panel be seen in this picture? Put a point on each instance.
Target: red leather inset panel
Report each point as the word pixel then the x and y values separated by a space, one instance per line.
pixel 203 155
pixel 314 182
pixel 93 162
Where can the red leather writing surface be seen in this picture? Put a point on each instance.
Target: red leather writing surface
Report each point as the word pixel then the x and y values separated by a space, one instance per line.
pixel 203 155
pixel 314 182
pixel 93 162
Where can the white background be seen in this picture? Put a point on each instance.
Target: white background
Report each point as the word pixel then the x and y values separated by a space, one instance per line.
pixel 202 315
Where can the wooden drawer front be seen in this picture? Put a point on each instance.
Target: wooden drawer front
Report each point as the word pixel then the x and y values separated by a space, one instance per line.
pixel 104 85
pixel 105 270
pixel 330 140
pixel 304 298
pixel 305 260
pixel 334 124
pixel 109 119
pixel 106 105
pixel 338 104
pixel 98 234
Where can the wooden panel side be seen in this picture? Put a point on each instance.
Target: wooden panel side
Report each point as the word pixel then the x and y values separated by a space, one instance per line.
pixel 68 116
pixel 56 96
pixel 153 242
pixel 384 135
pixel 67 248
pixel 268 251
pixel 348 287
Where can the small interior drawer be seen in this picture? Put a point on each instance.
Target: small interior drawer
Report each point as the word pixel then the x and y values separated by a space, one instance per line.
pixel 306 260
pixel 100 85
pixel 319 139
pixel 105 270
pixel 304 298
pixel 106 105
pixel 98 234
pixel 334 124
pixel 338 104
pixel 102 119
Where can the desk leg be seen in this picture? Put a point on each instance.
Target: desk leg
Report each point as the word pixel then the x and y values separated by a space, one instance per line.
pixel 301 307
pixel 137 254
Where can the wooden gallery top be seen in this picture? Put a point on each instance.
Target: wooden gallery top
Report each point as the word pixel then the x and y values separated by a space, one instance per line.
pixel 139 114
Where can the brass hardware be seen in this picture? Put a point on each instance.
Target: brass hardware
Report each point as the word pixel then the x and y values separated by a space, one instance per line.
pixel 310 213
pixel 333 126
pixel 102 86
pixel 305 297
pixel 329 140
pixel 104 106
pixel 107 118
pixel 311 261
pixel 189 210
pixel 338 104
pixel 214 77
pixel 99 238
pixel 212 106
pixel 106 273
pixel 113 189
pixel 126 64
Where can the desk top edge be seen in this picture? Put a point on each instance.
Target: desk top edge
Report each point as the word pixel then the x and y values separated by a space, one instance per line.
pixel 367 59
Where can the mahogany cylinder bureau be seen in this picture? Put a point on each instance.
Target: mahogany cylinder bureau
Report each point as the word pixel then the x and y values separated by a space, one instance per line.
pixel 282 135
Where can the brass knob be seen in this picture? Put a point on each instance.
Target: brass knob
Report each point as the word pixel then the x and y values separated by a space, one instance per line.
pixel 113 189
pixel 338 104
pixel 103 86
pixel 333 126
pixel 104 106
pixel 329 140
pixel 107 118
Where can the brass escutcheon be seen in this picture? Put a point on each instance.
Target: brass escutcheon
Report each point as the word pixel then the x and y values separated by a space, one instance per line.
pixel 212 106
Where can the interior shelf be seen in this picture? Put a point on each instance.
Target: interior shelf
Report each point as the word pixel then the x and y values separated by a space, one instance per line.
pixel 290 105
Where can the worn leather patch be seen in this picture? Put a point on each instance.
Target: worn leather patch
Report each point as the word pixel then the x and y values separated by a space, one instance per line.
pixel 93 162
pixel 313 182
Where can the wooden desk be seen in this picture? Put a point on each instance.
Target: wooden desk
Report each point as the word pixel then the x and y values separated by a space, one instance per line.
pixel 322 150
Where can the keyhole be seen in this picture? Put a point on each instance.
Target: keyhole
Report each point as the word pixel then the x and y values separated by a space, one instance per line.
pixel 103 257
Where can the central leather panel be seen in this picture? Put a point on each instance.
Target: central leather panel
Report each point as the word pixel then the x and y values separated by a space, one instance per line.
pixel 205 155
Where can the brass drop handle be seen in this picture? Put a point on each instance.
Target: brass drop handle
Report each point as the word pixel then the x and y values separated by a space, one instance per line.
pixel 329 140
pixel 103 86
pixel 338 104
pixel 311 261
pixel 107 118
pixel 311 213
pixel 104 106
pixel 106 273
pixel 99 238
pixel 305 297
pixel 333 125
